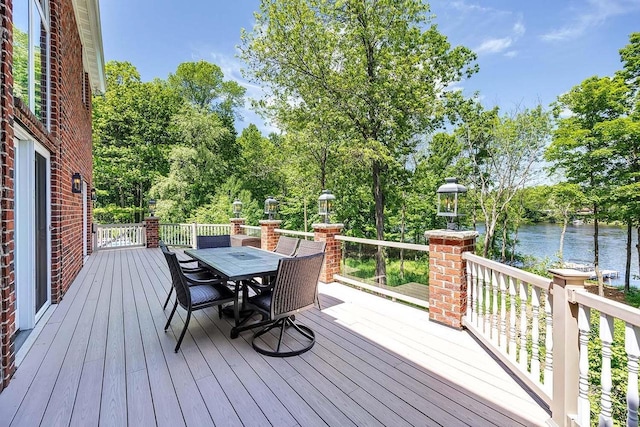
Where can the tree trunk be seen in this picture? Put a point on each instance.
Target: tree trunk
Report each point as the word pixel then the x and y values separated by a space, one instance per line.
pixel 503 249
pixel 627 269
pixel 378 196
pixel 562 234
pixel 596 251
pixel 305 215
pixel 404 206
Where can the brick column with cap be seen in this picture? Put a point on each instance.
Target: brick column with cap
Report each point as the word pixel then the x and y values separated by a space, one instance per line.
pixel 333 252
pixel 152 229
pixel 268 237
pixel 235 225
pixel 448 275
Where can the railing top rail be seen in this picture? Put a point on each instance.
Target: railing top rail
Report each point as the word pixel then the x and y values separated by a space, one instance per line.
pixel 612 308
pixel 137 224
pixel 293 232
pixel 400 245
pixel 251 227
pixel 516 273
pixel 196 223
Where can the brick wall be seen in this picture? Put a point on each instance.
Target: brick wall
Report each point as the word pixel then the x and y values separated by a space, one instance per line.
pixel 268 237
pixel 69 144
pixel 333 251
pixel 447 275
pixel 7 290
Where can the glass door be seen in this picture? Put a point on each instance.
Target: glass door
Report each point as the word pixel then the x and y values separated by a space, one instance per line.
pixel 42 234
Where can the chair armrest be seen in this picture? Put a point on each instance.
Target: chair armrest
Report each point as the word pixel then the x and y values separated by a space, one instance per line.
pixel 194 269
pixel 187 261
pixel 192 281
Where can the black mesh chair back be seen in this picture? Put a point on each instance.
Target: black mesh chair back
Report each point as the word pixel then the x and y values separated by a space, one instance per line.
pixel 221 241
pixel 193 294
pixel 294 290
pixel 309 247
pixel 286 245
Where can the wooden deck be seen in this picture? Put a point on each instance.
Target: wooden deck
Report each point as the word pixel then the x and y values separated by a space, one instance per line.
pixel 102 358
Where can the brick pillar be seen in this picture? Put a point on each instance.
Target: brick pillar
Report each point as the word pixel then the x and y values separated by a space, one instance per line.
pixel 448 275
pixel 152 230
pixel 235 225
pixel 268 237
pixel 333 251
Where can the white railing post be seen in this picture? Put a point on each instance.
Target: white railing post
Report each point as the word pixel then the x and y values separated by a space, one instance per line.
pixel 606 336
pixel 632 348
pixel 566 374
pixel 194 235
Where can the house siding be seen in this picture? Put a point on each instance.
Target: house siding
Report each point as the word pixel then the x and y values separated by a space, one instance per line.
pixel 69 144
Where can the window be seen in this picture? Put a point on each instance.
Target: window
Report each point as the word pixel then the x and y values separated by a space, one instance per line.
pixel 31 36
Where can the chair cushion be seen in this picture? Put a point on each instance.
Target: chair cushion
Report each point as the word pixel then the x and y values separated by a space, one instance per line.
pixel 201 294
pixel 262 301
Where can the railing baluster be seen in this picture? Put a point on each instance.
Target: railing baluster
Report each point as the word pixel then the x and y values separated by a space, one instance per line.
pixel 495 321
pixel 513 347
pixel 535 333
pixel 503 311
pixel 476 286
pixel 523 325
pixel 487 301
pixel 548 343
pixel 481 303
pixel 632 348
pixel 606 336
pixel 584 327
pixel 469 313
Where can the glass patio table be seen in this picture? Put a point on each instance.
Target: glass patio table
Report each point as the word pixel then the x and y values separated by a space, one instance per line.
pixel 239 265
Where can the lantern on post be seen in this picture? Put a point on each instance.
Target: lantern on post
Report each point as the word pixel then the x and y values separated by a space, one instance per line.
pixel 326 205
pixel 152 207
pixel 449 195
pixel 94 195
pixel 237 207
pixel 270 207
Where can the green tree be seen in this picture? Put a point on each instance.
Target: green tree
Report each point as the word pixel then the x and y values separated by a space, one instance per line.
pixel 579 148
pixel 374 71
pixel 501 152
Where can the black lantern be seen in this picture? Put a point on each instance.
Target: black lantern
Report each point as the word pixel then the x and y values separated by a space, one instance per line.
pixel 237 207
pixel 94 196
pixel 152 207
pixel 270 207
pixel 325 205
pixel 76 183
pixel 448 201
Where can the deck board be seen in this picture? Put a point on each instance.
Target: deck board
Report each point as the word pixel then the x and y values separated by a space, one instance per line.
pixel 103 357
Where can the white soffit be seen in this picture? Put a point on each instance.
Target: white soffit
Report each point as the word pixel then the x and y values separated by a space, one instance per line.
pixel 90 29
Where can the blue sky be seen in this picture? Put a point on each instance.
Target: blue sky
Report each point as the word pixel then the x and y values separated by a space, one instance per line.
pixel 528 51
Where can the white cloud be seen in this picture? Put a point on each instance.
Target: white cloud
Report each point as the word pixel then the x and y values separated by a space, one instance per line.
pixel 511 54
pixel 494 45
pixel 501 44
pixel 595 13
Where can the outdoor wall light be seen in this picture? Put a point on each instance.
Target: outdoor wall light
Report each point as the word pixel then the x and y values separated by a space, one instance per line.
pixel 94 196
pixel 449 195
pixel 270 207
pixel 152 207
pixel 76 183
pixel 237 207
pixel 326 205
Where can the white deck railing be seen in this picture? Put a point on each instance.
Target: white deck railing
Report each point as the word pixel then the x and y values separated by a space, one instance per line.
pixel 185 234
pixel 541 329
pixel 110 236
pixel 302 234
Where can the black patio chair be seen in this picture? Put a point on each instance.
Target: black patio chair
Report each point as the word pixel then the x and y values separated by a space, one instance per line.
pixel 197 273
pixel 309 247
pixel 294 290
pixel 220 241
pixel 286 245
pixel 193 294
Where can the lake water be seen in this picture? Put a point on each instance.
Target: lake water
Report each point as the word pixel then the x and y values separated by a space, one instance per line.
pixel 543 241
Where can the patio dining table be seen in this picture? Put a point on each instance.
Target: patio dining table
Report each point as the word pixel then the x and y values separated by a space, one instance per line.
pixel 238 265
